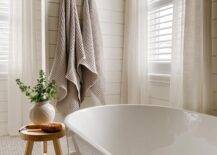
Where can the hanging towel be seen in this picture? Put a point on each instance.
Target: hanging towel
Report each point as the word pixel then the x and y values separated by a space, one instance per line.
pixel 69 48
pixel 92 75
pixel 77 64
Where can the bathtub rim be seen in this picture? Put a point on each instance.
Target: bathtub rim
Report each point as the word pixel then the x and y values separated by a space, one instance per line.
pixel 99 147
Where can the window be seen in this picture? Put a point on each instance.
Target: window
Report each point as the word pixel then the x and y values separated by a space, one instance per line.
pixel 160 17
pixel 4 35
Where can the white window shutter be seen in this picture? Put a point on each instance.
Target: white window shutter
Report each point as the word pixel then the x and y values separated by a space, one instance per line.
pixel 4 35
pixel 160 18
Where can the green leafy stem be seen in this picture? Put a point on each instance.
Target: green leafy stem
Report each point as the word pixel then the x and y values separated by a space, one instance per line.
pixel 43 91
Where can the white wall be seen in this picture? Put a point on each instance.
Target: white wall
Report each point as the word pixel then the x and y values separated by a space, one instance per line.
pixel 3 105
pixel 111 14
pixel 159 90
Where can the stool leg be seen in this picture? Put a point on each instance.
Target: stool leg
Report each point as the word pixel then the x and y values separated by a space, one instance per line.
pixel 45 147
pixel 29 146
pixel 57 147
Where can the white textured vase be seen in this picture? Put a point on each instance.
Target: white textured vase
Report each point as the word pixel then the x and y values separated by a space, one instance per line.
pixel 42 113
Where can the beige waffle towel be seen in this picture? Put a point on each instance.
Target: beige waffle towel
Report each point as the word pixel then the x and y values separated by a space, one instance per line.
pixel 76 68
pixel 92 75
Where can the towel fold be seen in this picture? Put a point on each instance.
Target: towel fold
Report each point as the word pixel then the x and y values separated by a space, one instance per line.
pixel 92 75
pixel 77 64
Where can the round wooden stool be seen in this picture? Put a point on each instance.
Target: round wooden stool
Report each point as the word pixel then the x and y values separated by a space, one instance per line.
pixel 32 136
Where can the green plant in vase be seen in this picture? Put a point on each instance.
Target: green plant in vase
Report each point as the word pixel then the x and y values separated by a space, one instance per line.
pixel 44 91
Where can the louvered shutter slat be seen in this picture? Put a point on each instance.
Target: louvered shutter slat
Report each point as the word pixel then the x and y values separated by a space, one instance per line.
pixel 160 19
pixel 4 35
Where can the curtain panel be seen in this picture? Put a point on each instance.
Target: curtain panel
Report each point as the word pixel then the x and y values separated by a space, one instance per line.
pixel 197 90
pixel 190 77
pixel 24 60
pixel 191 64
pixel 135 56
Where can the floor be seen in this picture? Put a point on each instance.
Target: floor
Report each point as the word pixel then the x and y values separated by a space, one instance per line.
pixel 16 146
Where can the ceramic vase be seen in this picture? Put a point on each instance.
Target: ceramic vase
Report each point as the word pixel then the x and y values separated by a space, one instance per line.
pixel 42 113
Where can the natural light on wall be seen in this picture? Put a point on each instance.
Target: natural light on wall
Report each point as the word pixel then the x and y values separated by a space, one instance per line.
pixel 160 17
pixel 4 35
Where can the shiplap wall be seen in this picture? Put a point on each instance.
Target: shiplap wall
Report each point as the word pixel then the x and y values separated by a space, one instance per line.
pixel 111 15
pixel 214 49
pixel 159 90
pixel 3 104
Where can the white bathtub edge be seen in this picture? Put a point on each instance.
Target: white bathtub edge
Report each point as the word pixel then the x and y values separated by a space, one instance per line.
pixel 92 143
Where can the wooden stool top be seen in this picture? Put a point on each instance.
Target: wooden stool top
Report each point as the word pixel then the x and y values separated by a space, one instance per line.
pixel 38 135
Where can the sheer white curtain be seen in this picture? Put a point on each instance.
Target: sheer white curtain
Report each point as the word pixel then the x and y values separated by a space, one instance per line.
pixel 24 62
pixel 135 63
pixel 176 77
pixel 191 62
pixel 190 78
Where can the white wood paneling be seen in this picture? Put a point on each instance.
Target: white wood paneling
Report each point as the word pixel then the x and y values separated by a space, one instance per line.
pixel 160 102
pixel 159 92
pixel 113 53
pixel 117 29
pixel 113 65
pixel 112 41
pixel 3 85
pixel 159 89
pixel 3 105
pixel 52 23
pixel 3 128
pixel 111 17
pixel 3 116
pixel 52 9
pixel 114 5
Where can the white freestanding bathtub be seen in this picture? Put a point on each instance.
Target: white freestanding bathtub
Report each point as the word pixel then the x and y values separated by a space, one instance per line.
pixel 142 130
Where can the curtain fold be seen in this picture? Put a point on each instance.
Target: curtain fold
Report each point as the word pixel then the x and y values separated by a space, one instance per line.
pixel 191 66
pixel 197 56
pixel 176 77
pixel 135 63
pixel 24 61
